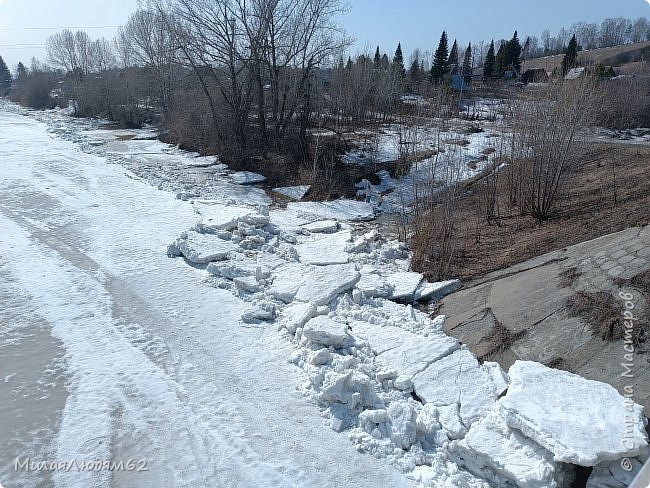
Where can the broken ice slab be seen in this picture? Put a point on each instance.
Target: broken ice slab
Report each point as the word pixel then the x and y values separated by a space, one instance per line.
pixel 341 210
pixel 428 291
pixel 460 378
pixel 247 178
pixel 201 248
pixel 403 351
pixel 326 249
pixel 404 284
pixel 495 452
pixel 580 421
pixel 323 283
pixel 217 216
pixel 325 331
pixel 293 192
pixel 322 226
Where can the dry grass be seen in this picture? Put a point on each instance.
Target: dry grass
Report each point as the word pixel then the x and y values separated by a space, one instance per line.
pixel 601 311
pixel 607 192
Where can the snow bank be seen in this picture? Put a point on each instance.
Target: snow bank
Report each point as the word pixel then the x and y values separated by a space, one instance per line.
pixel 580 421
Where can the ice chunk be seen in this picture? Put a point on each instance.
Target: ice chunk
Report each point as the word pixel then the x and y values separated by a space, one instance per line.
pixel 297 315
pixel 325 250
pixel 293 192
pixel 403 351
pixel 449 418
pixel 372 416
pixel 201 248
pixel 325 331
pixel 322 226
pixel 216 216
pixel 287 280
pixel 374 285
pixel 247 178
pixel 247 283
pixel 341 210
pixel 404 285
pixel 580 421
pixel 427 291
pixel 352 388
pixel 323 283
pixel 457 378
pixel 402 424
pixel 498 453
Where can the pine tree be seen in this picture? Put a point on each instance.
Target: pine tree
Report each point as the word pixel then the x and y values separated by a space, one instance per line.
pixel 467 64
pixel 398 60
pixel 490 62
pixel 21 73
pixel 501 63
pixel 414 71
pixel 385 64
pixel 440 65
pixel 349 64
pixel 513 52
pixel 5 78
pixel 452 61
pixel 570 56
pixel 377 60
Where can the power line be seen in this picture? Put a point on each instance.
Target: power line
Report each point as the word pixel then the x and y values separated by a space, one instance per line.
pixel 60 28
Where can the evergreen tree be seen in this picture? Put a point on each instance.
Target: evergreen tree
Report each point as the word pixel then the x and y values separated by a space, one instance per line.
pixel 513 52
pixel 377 60
pixel 525 52
pixel 440 65
pixel 467 64
pixel 501 63
pixel 21 73
pixel 340 66
pixel 385 64
pixel 452 61
pixel 5 78
pixel 570 56
pixel 398 60
pixel 490 62
pixel 414 71
pixel 349 63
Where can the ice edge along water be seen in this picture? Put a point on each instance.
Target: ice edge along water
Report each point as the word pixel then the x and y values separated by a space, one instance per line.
pixel 385 372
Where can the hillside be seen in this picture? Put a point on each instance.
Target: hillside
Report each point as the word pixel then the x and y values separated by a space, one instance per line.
pixel 626 58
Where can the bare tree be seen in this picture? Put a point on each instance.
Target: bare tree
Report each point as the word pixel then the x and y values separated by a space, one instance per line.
pixel 62 51
pixel 547 135
pixel 148 41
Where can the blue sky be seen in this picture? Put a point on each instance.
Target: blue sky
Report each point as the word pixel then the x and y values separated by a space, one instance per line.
pixel 415 23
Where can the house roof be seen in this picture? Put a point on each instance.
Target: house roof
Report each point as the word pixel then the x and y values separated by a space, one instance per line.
pixel 574 73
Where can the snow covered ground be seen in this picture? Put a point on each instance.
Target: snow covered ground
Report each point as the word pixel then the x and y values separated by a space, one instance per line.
pixel 229 344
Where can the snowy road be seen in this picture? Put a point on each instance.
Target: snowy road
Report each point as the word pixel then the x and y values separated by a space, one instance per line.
pixel 110 350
